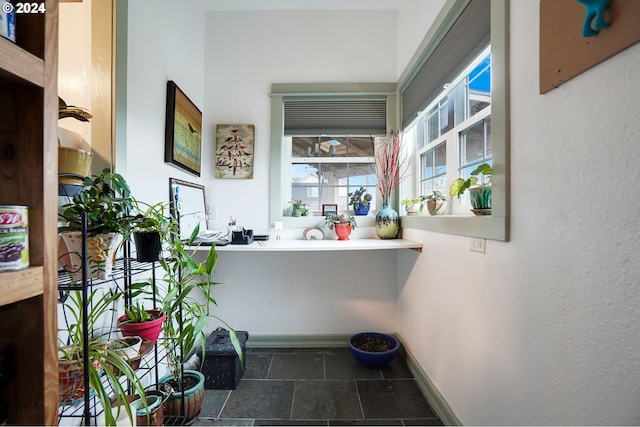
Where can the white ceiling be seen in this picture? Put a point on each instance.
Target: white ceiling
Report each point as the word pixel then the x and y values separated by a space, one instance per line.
pixel 303 4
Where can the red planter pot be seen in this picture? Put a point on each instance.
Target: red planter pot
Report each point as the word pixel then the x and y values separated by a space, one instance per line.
pixel 343 230
pixel 147 330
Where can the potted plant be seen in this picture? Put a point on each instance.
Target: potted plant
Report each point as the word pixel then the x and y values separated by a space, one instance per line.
pixel 105 203
pixel 142 322
pixel 105 366
pixel 373 349
pixel 148 227
pixel 413 206
pixel 185 294
pixel 360 199
pixel 436 203
pixel 343 224
pixel 74 164
pixel 479 193
pixel 299 208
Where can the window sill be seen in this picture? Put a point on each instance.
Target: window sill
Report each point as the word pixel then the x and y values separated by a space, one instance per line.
pixel 491 227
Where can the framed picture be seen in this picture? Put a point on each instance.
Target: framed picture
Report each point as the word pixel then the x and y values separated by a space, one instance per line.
pixel 183 131
pixel 234 151
pixel 329 209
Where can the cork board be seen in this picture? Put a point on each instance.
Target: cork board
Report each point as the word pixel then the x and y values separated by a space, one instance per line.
pixel 564 53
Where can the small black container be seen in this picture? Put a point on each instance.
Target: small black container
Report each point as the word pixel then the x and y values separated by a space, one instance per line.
pixel 222 368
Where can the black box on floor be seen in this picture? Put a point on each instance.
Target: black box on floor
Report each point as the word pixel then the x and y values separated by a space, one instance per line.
pixel 222 368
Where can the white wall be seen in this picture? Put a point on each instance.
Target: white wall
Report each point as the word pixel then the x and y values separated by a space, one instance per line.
pixel 543 329
pixel 248 51
pixel 165 42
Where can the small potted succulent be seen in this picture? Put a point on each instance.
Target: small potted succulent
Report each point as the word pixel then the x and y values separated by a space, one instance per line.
pixel 360 200
pixel 412 205
pixel 299 208
pixel 436 203
pixel 343 224
pixel 479 193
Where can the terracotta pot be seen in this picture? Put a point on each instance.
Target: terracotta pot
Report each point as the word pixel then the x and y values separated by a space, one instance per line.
pixel 343 230
pixel 146 330
pixel 193 397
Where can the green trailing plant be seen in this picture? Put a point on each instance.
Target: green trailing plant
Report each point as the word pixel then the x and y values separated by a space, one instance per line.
pixel 150 218
pixel 332 219
pixel 105 198
pixel 359 197
pixel 185 295
pixel 106 364
pixel 460 185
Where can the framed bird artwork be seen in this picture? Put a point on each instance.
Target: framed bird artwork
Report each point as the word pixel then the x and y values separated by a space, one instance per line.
pixel 234 151
pixel 183 131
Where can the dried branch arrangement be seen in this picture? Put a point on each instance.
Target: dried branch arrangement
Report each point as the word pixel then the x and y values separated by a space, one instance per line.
pixel 392 165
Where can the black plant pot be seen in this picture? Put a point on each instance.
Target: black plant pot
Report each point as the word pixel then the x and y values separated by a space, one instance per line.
pixel 148 246
pixel 373 359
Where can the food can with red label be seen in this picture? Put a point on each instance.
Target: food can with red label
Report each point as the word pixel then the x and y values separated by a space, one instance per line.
pixel 14 238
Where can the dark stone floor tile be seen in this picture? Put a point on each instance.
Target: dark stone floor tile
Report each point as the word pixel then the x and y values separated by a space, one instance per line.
pixel 260 399
pixel 200 421
pixel 273 350
pixel 423 422
pixel 365 422
pixel 291 423
pixel 344 366
pixel 336 399
pixel 392 399
pixel 297 366
pixel 213 402
pixel 257 366
pixel 397 369
pixel 328 350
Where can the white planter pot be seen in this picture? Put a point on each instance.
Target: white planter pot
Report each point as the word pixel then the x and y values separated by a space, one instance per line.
pixel 101 250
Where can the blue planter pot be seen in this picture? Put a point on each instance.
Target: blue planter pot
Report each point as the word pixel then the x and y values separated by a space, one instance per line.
pixel 361 209
pixel 387 222
pixel 373 359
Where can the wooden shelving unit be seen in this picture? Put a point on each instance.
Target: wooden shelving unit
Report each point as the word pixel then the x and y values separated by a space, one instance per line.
pixel 28 177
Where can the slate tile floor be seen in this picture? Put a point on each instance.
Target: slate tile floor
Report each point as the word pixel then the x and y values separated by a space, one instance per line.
pixel 317 387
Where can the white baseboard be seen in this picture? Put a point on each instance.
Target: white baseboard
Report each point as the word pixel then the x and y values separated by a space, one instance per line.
pixel 437 401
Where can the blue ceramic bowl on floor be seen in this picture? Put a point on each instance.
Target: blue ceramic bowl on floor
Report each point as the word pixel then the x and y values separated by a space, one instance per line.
pixel 373 359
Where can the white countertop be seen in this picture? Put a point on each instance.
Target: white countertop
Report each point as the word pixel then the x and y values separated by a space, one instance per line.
pixel 319 245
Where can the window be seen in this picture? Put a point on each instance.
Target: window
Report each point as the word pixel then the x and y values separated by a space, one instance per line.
pixel 325 169
pixel 322 145
pixel 457 122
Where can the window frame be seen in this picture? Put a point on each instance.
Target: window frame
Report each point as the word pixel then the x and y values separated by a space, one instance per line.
pixel 496 225
pixel 280 156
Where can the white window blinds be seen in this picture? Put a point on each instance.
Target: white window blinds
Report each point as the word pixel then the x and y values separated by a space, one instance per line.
pixel 460 39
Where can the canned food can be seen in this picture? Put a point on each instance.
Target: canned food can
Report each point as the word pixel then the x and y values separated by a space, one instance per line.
pixel 7 20
pixel 14 238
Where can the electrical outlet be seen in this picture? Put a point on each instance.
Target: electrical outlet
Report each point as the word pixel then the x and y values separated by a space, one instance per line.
pixel 212 212
pixel 477 245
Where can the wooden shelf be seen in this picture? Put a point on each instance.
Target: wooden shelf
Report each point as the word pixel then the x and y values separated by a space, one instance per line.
pixel 21 284
pixel 273 245
pixel 21 64
pixel 28 177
